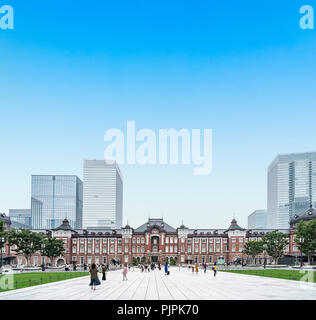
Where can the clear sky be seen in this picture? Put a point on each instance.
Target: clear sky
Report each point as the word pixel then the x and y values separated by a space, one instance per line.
pixel 70 70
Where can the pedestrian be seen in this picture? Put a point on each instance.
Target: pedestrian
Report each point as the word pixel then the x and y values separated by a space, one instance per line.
pixel 166 269
pixel 75 267
pixel 192 267
pixel 103 272
pixel 197 268
pixel 205 266
pixel 84 267
pixel 94 277
pixel 124 273
pixel 214 269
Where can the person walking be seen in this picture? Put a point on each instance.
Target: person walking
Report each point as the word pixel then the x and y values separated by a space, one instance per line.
pixel 214 269
pixel 94 277
pixel 103 272
pixel 192 267
pixel 124 273
pixel 166 269
pixel 205 266
pixel 197 268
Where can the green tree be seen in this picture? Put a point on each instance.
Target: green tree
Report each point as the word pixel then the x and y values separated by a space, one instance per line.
pixel 276 243
pixel 134 261
pixel 306 238
pixel 26 242
pixel 143 260
pixel 253 248
pixel 52 248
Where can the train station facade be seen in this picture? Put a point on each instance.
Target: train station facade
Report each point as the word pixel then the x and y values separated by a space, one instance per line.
pixel 155 241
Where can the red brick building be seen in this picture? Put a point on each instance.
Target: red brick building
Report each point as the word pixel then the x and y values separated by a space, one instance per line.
pixel 155 241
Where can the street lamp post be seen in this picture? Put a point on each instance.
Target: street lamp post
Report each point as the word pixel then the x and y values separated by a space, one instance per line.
pixel 301 257
pixel 1 244
pixel 264 256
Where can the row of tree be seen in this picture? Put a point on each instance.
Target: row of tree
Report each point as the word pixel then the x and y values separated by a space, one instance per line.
pixel 274 243
pixel 28 243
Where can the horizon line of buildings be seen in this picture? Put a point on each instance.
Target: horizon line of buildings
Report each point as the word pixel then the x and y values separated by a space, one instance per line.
pixel 93 203
pixel 97 201
pixel 291 191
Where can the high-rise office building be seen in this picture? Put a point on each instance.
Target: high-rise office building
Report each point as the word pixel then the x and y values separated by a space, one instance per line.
pixel 54 198
pixel 21 216
pixel 291 187
pixel 102 194
pixel 258 220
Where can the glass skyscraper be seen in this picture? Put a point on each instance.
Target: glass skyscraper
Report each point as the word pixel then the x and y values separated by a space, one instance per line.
pixel 21 216
pixel 102 194
pixel 258 220
pixel 54 198
pixel 291 187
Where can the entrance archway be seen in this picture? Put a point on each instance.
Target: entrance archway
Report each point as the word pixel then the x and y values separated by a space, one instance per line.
pixel 60 262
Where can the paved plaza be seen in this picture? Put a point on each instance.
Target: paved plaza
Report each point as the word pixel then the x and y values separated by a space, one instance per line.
pixel 181 285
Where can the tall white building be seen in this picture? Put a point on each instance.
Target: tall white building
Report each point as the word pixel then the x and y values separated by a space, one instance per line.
pixel 258 220
pixel 291 187
pixel 102 194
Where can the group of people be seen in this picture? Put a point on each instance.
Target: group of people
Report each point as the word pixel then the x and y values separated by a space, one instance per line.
pixel 148 267
pixel 143 267
pixel 94 277
pixel 195 268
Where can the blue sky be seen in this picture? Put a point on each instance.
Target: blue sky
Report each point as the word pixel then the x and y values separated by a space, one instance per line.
pixel 70 70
